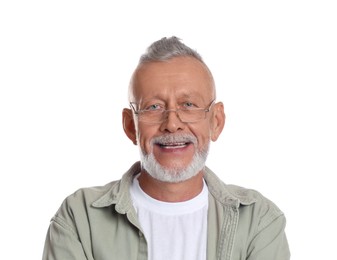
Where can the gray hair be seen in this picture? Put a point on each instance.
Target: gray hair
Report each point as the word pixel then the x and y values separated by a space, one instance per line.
pixel 168 48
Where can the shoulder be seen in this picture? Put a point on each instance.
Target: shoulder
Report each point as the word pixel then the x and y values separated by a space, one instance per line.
pixel 79 203
pixel 94 198
pixel 245 196
pixel 88 195
pixel 256 203
pixel 249 201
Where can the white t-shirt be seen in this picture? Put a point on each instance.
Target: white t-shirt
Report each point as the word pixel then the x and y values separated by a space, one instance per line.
pixel 173 231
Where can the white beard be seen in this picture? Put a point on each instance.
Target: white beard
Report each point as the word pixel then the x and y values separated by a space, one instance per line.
pixel 174 174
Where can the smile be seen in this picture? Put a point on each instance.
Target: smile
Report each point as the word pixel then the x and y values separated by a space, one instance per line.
pixel 173 145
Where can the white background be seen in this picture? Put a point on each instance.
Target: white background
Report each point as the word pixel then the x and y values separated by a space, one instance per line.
pixel 64 72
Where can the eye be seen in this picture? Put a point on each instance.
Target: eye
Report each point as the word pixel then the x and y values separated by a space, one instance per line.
pixel 188 105
pixel 153 107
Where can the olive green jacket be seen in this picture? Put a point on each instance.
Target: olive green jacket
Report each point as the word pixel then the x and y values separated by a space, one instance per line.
pixel 101 223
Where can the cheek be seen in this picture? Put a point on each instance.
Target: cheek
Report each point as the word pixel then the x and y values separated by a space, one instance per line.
pixel 203 135
pixel 145 135
pixel 204 141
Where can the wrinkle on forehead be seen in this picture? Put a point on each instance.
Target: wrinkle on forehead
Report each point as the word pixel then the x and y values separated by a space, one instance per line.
pixel 148 72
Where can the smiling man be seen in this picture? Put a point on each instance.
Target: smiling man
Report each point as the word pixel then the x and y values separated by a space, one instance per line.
pixel 175 118
pixel 169 205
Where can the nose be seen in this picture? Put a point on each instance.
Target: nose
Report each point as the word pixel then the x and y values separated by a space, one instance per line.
pixel 172 122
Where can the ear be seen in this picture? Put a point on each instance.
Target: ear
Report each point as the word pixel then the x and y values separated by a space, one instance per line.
pixel 129 125
pixel 218 121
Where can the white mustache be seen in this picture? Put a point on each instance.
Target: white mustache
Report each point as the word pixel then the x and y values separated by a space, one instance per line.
pixel 174 138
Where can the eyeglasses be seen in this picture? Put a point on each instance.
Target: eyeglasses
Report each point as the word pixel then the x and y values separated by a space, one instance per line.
pixel 157 114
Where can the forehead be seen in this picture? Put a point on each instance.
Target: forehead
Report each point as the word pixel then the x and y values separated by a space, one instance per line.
pixel 174 78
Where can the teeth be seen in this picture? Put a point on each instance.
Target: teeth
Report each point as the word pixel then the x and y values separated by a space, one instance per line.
pixel 176 145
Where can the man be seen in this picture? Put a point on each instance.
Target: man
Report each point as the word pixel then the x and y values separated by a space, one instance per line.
pixel 170 205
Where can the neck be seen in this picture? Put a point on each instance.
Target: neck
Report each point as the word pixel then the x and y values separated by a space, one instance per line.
pixel 171 192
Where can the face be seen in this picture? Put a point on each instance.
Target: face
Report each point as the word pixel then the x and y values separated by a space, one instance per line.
pixel 174 145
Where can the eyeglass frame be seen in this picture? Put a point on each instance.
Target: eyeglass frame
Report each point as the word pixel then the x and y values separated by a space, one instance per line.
pixel 165 111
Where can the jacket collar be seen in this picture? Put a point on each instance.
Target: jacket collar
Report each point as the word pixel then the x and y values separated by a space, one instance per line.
pixel 229 195
pixel 119 192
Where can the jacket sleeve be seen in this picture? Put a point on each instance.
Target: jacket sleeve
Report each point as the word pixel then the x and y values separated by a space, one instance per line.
pixel 62 242
pixel 270 242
